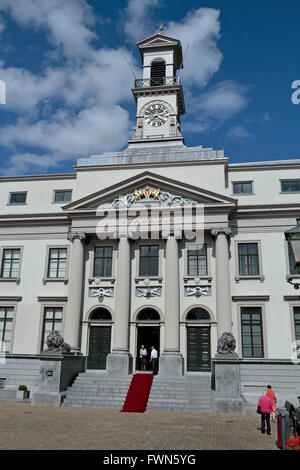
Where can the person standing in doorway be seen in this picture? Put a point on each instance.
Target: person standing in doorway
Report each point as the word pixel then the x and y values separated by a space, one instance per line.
pixel 265 405
pixel 272 397
pixel 143 357
pixel 153 360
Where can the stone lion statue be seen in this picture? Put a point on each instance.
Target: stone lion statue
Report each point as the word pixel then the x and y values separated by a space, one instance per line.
pixel 56 344
pixel 226 344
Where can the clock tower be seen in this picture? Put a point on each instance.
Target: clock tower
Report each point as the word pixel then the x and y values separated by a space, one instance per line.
pixel 159 95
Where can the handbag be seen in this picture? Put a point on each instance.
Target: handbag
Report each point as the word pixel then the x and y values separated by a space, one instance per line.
pixel 258 410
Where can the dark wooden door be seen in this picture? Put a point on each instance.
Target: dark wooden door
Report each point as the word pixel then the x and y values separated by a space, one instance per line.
pixel 198 348
pixel 99 347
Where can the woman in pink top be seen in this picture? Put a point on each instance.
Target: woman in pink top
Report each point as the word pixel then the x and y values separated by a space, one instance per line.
pixel 265 405
pixel 272 397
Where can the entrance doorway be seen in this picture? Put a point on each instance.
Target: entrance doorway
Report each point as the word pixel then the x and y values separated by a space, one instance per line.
pixel 99 339
pixel 198 348
pixel 198 341
pixel 148 334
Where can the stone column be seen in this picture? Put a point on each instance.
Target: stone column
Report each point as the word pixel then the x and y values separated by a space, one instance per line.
pixel 171 361
pixel 223 291
pixel 119 361
pixel 73 314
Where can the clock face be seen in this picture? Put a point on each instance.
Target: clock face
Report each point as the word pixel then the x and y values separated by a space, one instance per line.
pixel 156 115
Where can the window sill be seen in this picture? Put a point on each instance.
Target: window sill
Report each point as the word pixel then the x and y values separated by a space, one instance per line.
pixel 151 278
pixel 241 278
pixel 17 280
pixel 292 276
pixel 202 278
pixel 102 279
pixel 242 194
pixel 55 279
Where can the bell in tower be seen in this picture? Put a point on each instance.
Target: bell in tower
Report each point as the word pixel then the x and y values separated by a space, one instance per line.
pixel 159 94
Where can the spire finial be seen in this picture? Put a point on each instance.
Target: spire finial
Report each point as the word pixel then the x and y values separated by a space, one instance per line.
pixel 161 28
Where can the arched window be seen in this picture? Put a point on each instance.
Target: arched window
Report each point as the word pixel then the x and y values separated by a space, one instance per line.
pixel 148 314
pixel 158 72
pixel 198 314
pixel 100 314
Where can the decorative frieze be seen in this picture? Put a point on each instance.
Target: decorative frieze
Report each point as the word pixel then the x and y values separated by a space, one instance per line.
pixel 149 194
pixel 148 292
pixel 197 291
pixel 101 292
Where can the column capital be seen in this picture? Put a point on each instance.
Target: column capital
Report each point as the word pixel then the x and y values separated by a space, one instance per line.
pixel 225 230
pixel 176 234
pixel 73 235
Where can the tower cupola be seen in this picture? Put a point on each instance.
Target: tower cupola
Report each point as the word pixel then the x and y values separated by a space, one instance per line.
pixel 159 94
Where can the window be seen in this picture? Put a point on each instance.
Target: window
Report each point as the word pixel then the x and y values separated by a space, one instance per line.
pixel 10 263
pixel 6 323
pixel 62 196
pixel 149 260
pixel 57 263
pixel 148 314
pixel 248 259
pixel 252 335
pixel 17 198
pixel 198 314
pixel 292 260
pixel 52 322
pixel 103 261
pixel 297 328
pixel 101 314
pixel 242 187
pixel 197 261
pixel 290 186
pixel 158 72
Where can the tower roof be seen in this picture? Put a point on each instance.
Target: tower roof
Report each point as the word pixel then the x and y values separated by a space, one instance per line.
pixel 161 41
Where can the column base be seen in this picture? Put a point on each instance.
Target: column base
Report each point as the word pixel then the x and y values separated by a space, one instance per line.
pixel 119 365
pixel 170 365
pixel 228 405
pixel 46 399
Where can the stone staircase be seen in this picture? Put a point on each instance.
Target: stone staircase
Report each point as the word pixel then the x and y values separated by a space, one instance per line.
pixel 184 394
pixel 94 390
pixel 97 390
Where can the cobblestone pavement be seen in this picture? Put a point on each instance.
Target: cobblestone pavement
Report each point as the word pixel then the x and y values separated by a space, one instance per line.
pixel 25 427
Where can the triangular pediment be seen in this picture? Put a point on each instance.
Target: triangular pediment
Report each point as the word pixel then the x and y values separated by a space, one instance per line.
pixel 149 188
pixel 158 40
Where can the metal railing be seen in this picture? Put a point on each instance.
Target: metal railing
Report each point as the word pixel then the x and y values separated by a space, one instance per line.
pixel 158 81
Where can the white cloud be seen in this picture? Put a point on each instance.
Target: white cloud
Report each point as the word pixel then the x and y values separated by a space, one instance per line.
pixel 239 133
pixel 199 30
pixel 68 22
pixel 70 110
pixel 216 105
pixel 138 24
pixel 222 101
pixel 79 106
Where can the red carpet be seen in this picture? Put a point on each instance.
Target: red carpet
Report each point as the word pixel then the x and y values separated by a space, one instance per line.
pixel 138 393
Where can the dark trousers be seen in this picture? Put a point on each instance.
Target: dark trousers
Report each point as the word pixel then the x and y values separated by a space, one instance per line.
pixel 265 417
pixel 154 365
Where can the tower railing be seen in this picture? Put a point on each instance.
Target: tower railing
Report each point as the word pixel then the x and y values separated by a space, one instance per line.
pixel 157 81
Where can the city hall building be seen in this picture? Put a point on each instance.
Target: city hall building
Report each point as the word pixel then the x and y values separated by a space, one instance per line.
pixel 108 292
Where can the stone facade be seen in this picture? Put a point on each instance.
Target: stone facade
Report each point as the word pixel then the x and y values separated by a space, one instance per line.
pixel 162 174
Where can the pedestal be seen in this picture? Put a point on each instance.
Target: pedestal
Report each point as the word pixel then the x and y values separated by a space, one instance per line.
pixel 227 385
pixel 119 365
pixel 170 365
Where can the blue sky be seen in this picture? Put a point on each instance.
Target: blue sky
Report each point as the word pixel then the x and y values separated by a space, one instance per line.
pixel 64 63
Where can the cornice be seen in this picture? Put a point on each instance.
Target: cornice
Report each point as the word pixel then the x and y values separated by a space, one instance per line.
pixel 217 161
pixel 61 176
pixel 10 298
pixel 250 298
pixel 52 299
pixel 271 165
